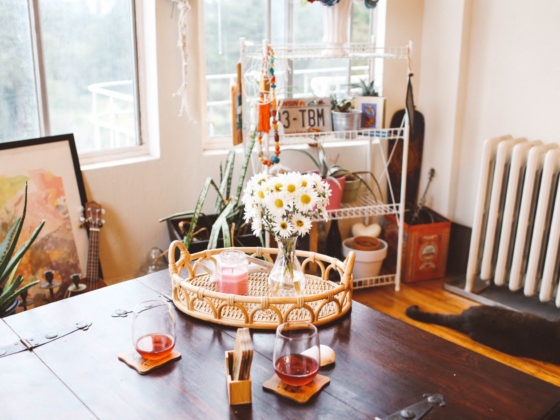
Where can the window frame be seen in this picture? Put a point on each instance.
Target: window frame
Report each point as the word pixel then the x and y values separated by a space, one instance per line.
pixel 106 156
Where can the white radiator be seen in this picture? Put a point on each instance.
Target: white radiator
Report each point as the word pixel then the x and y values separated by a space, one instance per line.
pixel 516 227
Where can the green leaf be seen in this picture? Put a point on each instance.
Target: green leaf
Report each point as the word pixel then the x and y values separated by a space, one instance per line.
pixel 15 260
pixel 225 184
pixel 8 240
pixel 217 226
pixel 226 234
pixel 7 299
pixel 197 210
pixel 309 155
pixel 12 288
pixel 244 167
pixel 174 215
pixel 7 254
pixel 12 275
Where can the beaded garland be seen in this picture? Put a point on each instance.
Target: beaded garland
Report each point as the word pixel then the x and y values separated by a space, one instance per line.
pixel 268 107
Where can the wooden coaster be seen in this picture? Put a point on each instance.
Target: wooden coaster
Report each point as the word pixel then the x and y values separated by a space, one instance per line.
pixel 143 366
pixel 301 394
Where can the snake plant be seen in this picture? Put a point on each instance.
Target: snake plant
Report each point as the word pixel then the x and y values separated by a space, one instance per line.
pixel 10 258
pixel 228 207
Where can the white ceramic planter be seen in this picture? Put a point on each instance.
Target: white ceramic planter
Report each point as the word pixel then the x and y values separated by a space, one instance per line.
pixel 367 263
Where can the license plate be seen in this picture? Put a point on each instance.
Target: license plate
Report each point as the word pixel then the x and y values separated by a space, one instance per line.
pixel 300 115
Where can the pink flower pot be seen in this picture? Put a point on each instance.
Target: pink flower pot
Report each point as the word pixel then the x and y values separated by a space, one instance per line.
pixel 336 192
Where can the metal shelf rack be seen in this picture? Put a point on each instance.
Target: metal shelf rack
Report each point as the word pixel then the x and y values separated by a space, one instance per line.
pixel 376 140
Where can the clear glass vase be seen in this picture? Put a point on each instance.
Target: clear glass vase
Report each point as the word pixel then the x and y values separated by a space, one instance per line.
pixel 286 277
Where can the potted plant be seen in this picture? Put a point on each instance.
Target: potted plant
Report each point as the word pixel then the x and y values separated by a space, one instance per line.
pixel 344 117
pixel 9 261
pixel 371 105
pixel 426 240
pixel 344 183
pixel 226 227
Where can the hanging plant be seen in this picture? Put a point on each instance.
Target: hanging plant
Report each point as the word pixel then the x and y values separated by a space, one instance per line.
pixel 370 4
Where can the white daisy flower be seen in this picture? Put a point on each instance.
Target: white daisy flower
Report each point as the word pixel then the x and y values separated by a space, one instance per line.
pixel 301 224
pixel 306 199
pixel 292 182
pixel 276 204
pixel 257 226
pixel 284 229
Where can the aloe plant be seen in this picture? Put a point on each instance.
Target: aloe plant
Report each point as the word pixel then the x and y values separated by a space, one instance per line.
pixel 10 258
pixel 367 89
pixel 332 172
pixel 228 207
pixel 340 105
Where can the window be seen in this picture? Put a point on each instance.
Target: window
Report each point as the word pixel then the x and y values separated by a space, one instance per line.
pixel 292 21
pixel 69 66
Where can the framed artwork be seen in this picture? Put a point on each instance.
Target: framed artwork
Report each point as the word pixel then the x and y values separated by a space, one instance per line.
pixel 373 110
pixel 56 194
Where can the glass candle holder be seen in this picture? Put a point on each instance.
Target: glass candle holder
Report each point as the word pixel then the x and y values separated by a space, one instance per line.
pixel 232 273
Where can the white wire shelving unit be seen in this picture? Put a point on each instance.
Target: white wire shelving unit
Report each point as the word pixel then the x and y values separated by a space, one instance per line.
pixel 380 143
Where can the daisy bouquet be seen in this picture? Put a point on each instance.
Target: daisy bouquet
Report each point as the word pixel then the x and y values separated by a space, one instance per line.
pixel 284 205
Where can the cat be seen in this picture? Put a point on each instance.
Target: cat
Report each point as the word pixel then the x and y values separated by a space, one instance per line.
pixel 516 333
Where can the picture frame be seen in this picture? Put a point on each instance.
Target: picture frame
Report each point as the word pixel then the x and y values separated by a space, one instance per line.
pixel 373 111
pixel 56 194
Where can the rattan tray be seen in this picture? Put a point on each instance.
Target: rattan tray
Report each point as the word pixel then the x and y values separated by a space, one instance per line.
pixel 322 300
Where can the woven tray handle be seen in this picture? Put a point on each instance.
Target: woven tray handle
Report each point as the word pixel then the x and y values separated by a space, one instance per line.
pixel 176 267
pixel 348 267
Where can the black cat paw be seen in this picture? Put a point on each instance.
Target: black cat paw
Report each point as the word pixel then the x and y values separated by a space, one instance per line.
pixel 412 310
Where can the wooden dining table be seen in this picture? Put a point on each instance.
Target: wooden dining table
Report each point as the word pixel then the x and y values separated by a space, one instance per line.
pixel 382 366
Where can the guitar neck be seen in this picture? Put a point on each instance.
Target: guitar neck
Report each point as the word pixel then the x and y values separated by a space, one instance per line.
pixel 92 273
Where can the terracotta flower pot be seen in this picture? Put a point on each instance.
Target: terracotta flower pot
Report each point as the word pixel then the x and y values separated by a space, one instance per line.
pixel 336 192
pixel 351 188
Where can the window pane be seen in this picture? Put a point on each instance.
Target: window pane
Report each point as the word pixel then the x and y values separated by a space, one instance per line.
pixel 225 21
pixel 89 64
pixel 18 103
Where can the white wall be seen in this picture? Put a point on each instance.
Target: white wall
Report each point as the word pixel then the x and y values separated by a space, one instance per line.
pixel 137 195
pixel 490 67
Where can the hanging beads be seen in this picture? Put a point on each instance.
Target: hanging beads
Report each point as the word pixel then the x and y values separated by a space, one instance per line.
pixel 268 106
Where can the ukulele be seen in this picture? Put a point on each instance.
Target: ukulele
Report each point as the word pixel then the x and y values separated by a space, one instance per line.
pixel 94 222
pixel 72 287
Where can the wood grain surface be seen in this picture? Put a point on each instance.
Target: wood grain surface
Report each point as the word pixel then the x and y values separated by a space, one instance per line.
pixel 29 390
pixel 382 365
pixel 431 296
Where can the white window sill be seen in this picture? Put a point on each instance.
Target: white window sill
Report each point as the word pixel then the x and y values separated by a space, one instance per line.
pixel 107 159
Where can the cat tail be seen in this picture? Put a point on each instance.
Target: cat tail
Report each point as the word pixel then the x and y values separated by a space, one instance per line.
pixel 451 321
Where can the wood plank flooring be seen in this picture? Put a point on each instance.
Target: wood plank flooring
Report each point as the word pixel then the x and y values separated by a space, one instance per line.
pixel 430 296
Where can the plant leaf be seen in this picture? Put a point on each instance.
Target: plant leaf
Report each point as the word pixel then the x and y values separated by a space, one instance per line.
pixel 225 181
pixel 197 210
pixel 309 155
pixel 19 254
pixel 215 232
pixel 174 215
pixel 244 167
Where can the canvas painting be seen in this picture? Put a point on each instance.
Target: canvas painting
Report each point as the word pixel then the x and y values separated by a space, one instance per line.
pixel 49 168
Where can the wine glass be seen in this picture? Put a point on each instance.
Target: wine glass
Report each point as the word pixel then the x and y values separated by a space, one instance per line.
pixel 296 353
pixel 153 329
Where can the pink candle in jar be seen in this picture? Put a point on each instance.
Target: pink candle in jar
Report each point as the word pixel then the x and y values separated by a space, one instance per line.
pixel 232 273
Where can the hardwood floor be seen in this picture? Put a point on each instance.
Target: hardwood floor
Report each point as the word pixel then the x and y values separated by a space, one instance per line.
pixel 431 296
